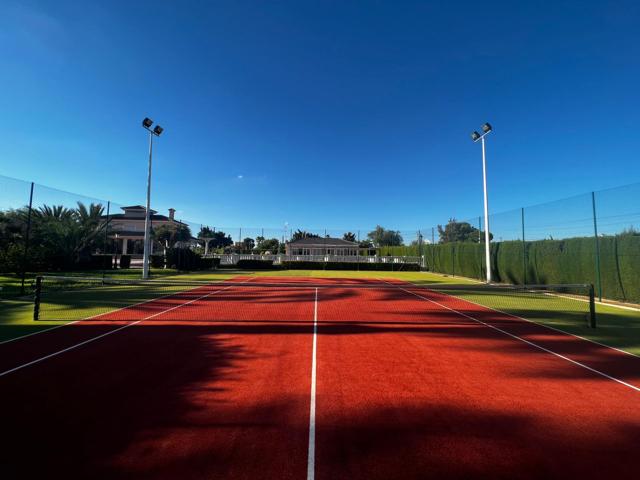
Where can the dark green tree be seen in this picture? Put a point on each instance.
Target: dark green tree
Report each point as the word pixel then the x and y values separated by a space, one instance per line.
pixel 455 231
pixel 349 236
pixel 300 234
pixel 248 244
pixel 382 237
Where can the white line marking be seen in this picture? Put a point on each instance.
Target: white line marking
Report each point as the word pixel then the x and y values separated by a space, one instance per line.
pixel 189 302
pixel 539 323
pixel 38 360
pixel 39 331
pixel 93 317
pixel 311 458
pixel 598 372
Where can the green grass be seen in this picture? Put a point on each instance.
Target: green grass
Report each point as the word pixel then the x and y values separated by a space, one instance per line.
pixel 616 327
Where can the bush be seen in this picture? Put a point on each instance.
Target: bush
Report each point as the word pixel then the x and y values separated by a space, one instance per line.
pixel 157 261
pixel 183 259
pixel 255 264
pixel 100 262
pixel 125 261
pixel 209 263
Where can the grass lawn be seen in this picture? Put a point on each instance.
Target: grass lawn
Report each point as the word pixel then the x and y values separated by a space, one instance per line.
pixel 616 327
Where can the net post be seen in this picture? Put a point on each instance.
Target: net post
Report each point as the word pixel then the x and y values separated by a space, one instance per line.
pixel 106 240
pixel 37 298
pixel 592 306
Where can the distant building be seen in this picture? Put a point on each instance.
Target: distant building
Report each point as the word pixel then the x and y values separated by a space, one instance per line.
pixel 127 229
pixel 322 246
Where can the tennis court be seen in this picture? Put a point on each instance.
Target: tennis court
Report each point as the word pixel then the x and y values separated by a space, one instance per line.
pixel 297 378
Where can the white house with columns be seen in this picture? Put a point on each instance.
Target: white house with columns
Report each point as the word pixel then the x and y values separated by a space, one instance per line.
pixel 127 228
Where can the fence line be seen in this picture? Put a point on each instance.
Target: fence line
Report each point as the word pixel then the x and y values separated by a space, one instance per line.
pixel 278 259
pixel 609 218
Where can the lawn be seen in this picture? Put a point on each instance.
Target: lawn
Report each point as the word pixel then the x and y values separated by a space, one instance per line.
pixel 616 327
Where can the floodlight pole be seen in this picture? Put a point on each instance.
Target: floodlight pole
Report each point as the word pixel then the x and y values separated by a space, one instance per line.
pixel 475 136
pixel 487 247
pixel 147 218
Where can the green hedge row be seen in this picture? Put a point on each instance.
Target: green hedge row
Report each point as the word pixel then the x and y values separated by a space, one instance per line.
pixel 547 262
pixel 255 264
pixel 124 261
pixel 409 267
pixel 187 260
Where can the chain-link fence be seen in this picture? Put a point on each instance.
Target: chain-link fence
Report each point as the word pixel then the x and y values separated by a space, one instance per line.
pixel 591 238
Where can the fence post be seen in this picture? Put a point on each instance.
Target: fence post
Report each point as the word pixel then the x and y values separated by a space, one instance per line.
pixel 595 231
pixel 524 252
pixel 26 242
pixel 433 249
pixel 358 250
pixel 480 243
pixel 106 238
pixel 592 307
pixel 453 259
pixel 37 298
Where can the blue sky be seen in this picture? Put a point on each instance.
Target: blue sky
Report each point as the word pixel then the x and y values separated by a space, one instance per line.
pixel 321 114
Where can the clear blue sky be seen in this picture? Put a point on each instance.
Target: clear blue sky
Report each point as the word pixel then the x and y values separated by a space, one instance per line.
pixel 339 114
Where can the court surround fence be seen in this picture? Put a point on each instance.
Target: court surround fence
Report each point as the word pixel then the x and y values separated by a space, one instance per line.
pixel 278 259
pixel 590 238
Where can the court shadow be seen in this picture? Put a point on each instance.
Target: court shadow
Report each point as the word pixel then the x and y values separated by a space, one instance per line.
pixel 161 401
pixel 449 441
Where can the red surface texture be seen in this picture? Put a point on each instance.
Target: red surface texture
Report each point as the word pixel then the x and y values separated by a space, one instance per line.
pixel 407 387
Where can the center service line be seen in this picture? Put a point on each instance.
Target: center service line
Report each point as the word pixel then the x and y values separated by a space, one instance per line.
pixel 311 459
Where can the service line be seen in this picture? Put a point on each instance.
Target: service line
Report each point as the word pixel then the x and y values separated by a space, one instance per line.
pixel 311 458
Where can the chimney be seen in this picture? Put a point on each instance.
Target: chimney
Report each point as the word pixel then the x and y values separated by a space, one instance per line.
pixel 172 213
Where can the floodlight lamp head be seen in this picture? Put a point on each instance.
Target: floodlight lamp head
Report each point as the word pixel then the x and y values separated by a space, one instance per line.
pixel 147 122
pixel 158 130
pixel 475 136
pixel 486 128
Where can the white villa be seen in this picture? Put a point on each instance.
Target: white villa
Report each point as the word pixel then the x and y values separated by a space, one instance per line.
pixel 322 246
pixel 127 228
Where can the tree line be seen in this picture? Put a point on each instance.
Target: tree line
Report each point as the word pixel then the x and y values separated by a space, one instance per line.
pixel 65 238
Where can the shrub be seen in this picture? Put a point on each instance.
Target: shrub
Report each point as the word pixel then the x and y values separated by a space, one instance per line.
pixel 157 261
pixel 255 264
pixel 100 262
pixel 209 263
pixel 125 261
pixel 183 259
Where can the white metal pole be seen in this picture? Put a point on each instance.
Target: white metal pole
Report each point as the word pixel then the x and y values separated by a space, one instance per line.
pixel 147 218
pixel 486 214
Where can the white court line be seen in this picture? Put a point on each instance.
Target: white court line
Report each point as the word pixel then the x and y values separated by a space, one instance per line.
pixel 311 457
pixel 38 360
pixel 540 347
pixel 39 331
pixel 538 323
pixel 93 317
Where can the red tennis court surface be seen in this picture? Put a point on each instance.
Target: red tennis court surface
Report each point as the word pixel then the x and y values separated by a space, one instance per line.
pixel 315 381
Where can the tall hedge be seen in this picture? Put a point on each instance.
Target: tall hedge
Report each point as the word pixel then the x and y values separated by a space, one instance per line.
pixel 571 260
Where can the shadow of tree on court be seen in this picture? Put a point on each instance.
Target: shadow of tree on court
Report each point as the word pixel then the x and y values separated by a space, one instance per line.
pixel 449 441
pixel 133 404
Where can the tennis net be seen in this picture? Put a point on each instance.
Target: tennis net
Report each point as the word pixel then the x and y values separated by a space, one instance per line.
pixel 60 298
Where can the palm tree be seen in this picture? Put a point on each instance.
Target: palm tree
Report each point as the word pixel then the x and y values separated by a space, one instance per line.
pixel 66 235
